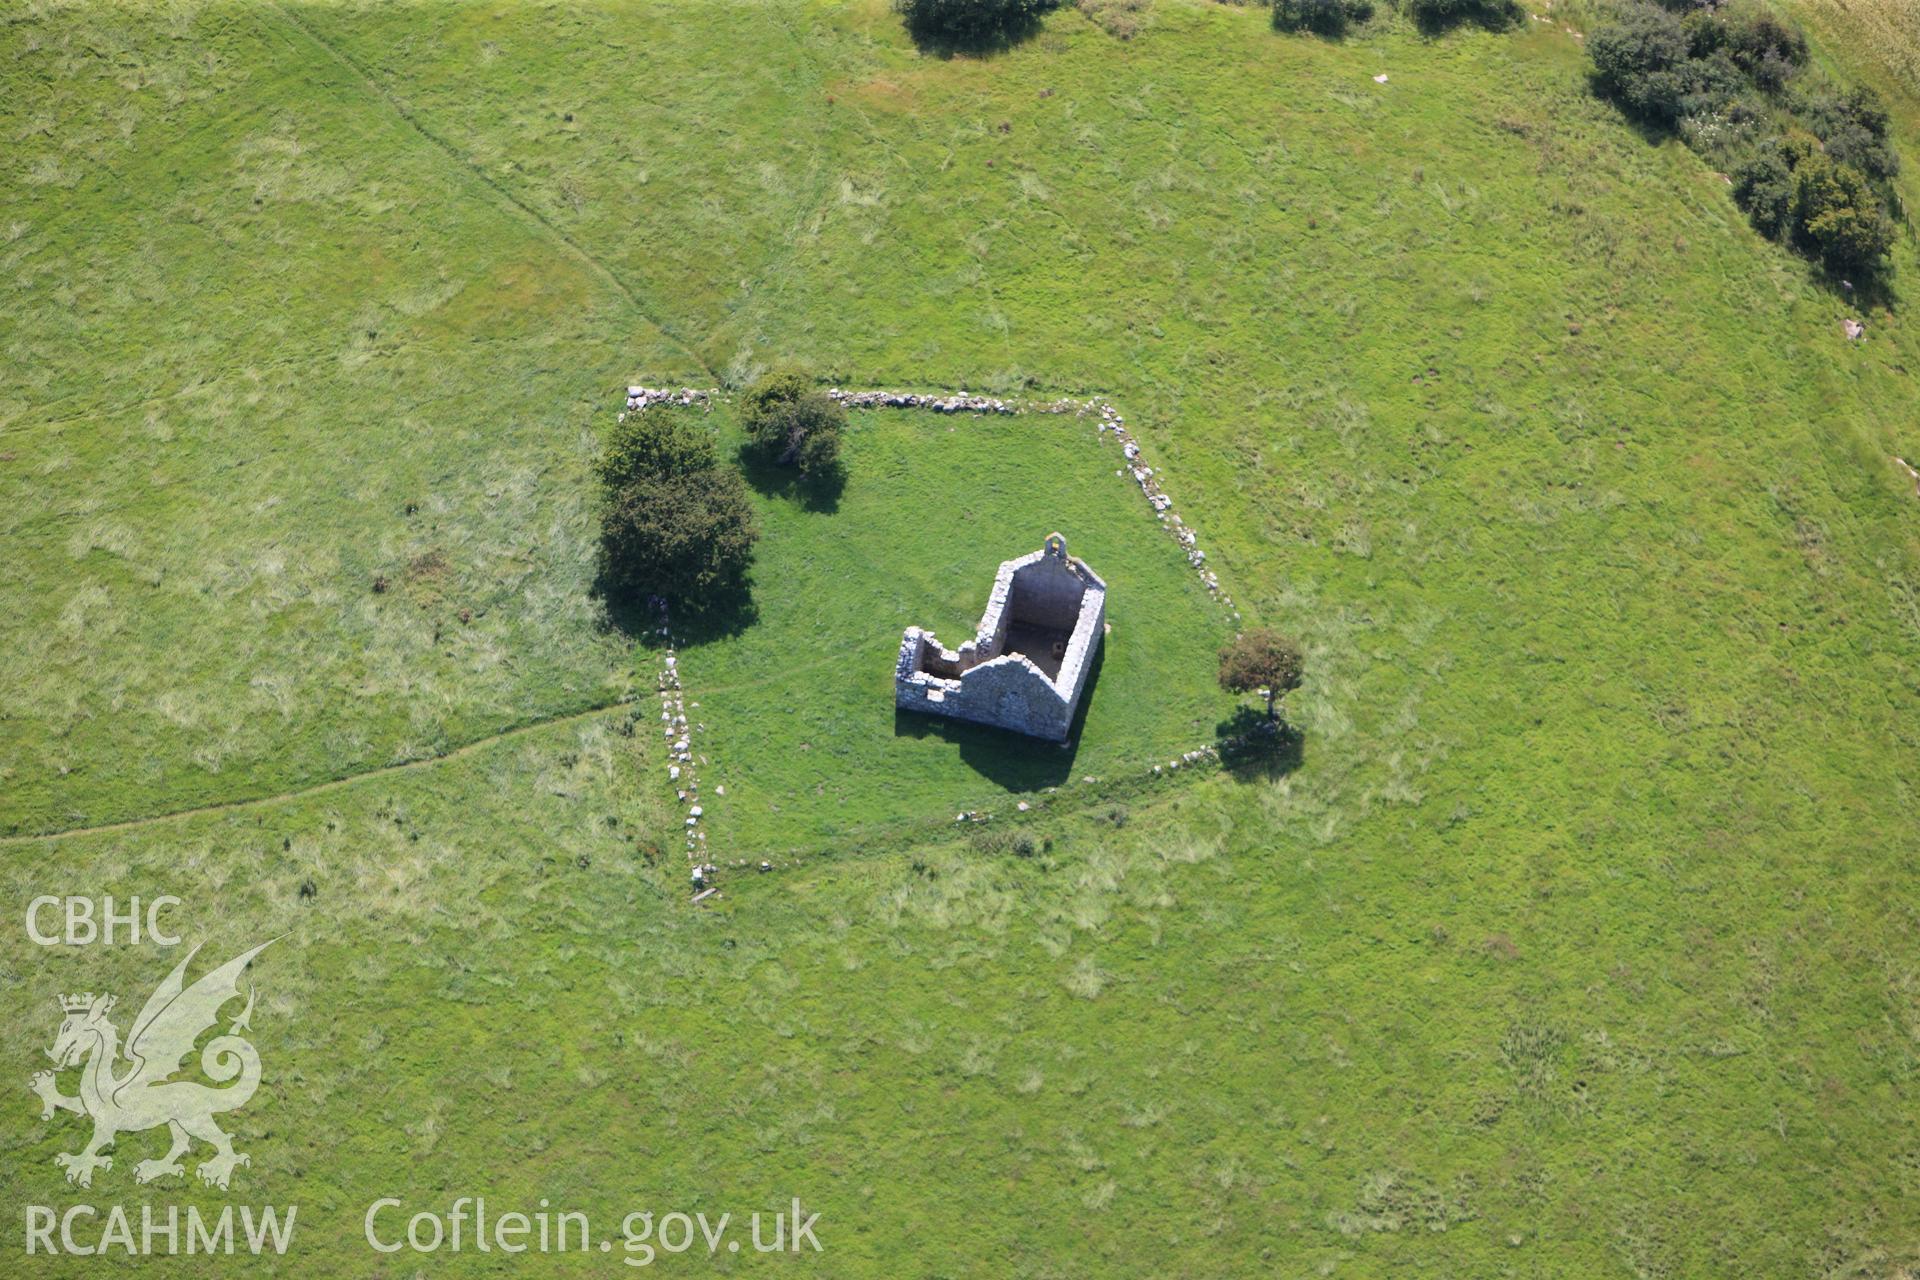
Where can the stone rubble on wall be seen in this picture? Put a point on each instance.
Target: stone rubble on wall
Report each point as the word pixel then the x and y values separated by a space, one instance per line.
pixel 1912 471
pixel 681 771
pixel 1110 423
pixel 957 402
pixel 639 397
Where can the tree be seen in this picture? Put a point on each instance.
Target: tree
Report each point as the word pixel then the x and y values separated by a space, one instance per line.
pixel 1763 186
pixel 656 443
pixel 796 424
pixel 1837 215
pixel 1810 165
pixel 1643 61
pixel 1261 660
pixel 674 523
pixel 1769 50
pixel 1852 126
pixel 820 454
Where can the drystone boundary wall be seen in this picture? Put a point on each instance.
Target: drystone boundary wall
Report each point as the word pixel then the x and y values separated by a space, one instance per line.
pixel 682 770
pixel 1110 424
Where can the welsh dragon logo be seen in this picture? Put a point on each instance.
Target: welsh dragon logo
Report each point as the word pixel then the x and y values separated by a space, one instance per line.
pixel 142 1097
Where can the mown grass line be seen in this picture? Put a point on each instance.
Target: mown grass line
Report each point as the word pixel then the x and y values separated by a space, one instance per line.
pixel 527 211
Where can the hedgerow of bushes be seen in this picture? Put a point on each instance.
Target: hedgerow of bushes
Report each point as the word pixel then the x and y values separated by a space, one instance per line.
pixel 1811 162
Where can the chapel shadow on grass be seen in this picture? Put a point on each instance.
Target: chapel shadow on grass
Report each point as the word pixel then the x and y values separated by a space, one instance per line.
pixel 1009 760
pixel 1255 749
pixel 817 492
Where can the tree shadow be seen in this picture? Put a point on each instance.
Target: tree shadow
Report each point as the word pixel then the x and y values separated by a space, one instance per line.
pixel 632 618
pixel 1332 23
pixel 1863 292
pixel 1488 15
pixel 819 491
pixel 1330 34
pixel 721 613
pixel 1651 130
pixel 1009 760
pixel 636 618
pixel 972 44
pixel 1255 749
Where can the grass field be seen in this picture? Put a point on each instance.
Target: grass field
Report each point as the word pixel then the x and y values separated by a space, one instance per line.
pixel 1580 941
pixel 796 709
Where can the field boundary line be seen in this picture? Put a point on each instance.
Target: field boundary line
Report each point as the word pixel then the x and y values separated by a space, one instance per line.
pixel 23 423
pixel 514 202
pixel 331 784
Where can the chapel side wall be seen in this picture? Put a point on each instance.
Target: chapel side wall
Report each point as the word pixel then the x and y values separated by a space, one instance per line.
pixel 909 682
pixel 1089 634
pixel 990 640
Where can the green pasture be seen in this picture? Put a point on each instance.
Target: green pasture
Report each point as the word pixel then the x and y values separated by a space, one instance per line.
pixel 795 699
pixel 1578 939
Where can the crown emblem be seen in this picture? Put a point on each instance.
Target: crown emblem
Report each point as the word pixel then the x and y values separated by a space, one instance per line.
pixel 77 1004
